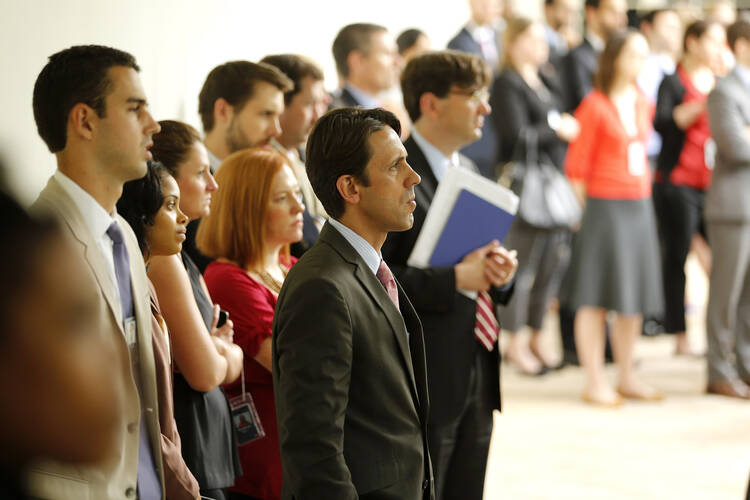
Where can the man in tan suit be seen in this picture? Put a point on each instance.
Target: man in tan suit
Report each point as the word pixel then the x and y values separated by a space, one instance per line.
pixel 91 111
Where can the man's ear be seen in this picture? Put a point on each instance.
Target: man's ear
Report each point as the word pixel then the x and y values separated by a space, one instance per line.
pixel 82 121
pixel 348 189
pixel 430 105
pixel 223 111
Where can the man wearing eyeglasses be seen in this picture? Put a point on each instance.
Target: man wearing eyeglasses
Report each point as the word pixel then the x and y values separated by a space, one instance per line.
pixel 445 94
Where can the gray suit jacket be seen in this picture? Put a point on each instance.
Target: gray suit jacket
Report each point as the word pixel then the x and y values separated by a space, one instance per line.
pixel 117 478
pixel 728 197
pixel 350 389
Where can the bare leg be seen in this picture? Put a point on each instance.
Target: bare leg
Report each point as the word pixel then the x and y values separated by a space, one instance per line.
pixel 627 329
pixel 538 350
pixel 519 355
pixel 589 334
pixel 702 251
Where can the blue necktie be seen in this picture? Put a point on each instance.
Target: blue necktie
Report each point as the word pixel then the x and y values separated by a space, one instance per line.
pixel 149 485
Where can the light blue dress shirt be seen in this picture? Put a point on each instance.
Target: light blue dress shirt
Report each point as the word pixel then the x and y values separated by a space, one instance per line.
pixel 439 163
pixel 371 256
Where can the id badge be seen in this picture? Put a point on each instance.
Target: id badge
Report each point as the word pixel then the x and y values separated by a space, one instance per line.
pixel 130 331
pixel 636 159
pixel 709 153
pixel 246 420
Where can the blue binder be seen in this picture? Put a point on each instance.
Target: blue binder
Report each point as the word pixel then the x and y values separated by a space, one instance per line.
pixel 473 223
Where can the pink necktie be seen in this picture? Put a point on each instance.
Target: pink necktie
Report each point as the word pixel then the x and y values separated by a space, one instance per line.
pixel 385 276
pixel 486 328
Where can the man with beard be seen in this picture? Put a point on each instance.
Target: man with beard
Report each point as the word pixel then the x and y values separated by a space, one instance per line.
pixel 240 105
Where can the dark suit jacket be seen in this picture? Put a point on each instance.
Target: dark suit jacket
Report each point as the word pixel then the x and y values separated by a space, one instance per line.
pixel 581 64
pixel 350 389
pixel 516 107
pixel 448 316
pixel 484 151
pixel 344 99
pixel 671 94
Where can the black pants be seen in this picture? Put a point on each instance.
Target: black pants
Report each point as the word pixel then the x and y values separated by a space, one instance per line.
pixel 459 450
pixel 679 213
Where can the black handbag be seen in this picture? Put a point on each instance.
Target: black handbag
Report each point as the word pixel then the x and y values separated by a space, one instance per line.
pixel 546 199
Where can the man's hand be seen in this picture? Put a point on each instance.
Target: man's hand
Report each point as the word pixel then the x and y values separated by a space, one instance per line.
pixel 484 267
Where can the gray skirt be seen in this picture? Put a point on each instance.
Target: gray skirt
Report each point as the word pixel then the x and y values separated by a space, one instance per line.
pixel 615 261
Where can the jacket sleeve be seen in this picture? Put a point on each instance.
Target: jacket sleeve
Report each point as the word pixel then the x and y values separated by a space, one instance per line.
pixel 668 99
pixel 728 127
pixel 511 115
pixel 312 362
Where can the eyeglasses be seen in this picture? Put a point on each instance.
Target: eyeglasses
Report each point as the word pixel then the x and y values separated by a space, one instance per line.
pixel 481 95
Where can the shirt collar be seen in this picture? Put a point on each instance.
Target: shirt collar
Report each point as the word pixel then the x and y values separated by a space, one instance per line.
pixel 291 154
pixel 96 218
pixel 365 100
pixel 439 163
pixel 371 256
pixel 744 73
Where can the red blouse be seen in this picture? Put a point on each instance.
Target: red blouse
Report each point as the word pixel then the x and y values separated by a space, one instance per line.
pixel 612 164
pixel 692 169
pixel 251 306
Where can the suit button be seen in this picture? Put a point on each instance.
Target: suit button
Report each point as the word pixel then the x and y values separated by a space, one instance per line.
pixel 130 492
pixel 132 427
pixel 425 484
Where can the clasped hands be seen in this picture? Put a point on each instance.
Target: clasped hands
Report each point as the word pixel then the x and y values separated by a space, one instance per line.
pixel 487 266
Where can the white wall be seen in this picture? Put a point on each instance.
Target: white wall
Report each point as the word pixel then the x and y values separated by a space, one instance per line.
pixel 176 43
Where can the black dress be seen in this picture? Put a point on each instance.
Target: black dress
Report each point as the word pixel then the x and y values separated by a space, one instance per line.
pixel 209 445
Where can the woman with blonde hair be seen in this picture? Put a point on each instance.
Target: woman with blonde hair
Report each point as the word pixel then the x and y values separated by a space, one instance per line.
pixel 254 218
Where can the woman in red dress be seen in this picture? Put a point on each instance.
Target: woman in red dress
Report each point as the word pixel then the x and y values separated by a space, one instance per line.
pixel 254 217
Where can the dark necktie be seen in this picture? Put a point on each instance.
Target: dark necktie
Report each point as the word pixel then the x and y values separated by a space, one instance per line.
pixel 149 485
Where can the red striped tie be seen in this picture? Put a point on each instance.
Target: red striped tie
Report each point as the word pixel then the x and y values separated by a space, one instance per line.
pixel 487 327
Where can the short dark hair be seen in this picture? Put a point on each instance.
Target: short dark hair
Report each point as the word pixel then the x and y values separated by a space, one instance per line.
pixel 407 39
pixel 75 75
pixel 172 144
pixel 339 145
pixel 352 37
pixel 737 30
pixel 437 72
pixel 141 200
pixel 594 4
pixel 235 81
pixel 296 68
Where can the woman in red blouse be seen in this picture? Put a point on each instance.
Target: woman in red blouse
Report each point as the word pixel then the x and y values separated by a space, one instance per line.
pixel 254 217
pixel 684 167
pixel 615 259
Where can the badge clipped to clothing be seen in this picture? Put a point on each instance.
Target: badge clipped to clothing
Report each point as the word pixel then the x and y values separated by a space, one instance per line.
pixel 245 417
pixel 709 153
pixel 130 331
pixel 636 158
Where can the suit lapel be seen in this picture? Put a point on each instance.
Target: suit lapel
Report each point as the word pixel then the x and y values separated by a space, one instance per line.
pixel 56 199
pixel 378 294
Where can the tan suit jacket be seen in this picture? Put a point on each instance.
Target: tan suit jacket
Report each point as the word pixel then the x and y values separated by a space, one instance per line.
pixel 117 477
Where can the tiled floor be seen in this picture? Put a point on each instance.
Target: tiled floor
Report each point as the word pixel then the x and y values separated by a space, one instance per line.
pixel 547 444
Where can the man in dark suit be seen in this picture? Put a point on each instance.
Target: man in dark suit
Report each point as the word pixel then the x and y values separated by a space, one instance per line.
pixel 603 17
pixel 482 36
pixel 348 354
pixel 446 96
pixel 367 63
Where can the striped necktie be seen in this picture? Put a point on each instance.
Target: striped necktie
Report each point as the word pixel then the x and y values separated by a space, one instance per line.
pixel 486 328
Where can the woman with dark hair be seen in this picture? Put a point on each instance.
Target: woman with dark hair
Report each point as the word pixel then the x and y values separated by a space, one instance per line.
pixel 615 260
pixel 253 220
pixel 151 207
pixel 525 106
pixel 56 377
pixel 684 166
pixel 205 354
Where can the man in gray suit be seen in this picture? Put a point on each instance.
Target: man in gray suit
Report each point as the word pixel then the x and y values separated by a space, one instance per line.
pixel 91 111
pixel 728 221
pixel 349 372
